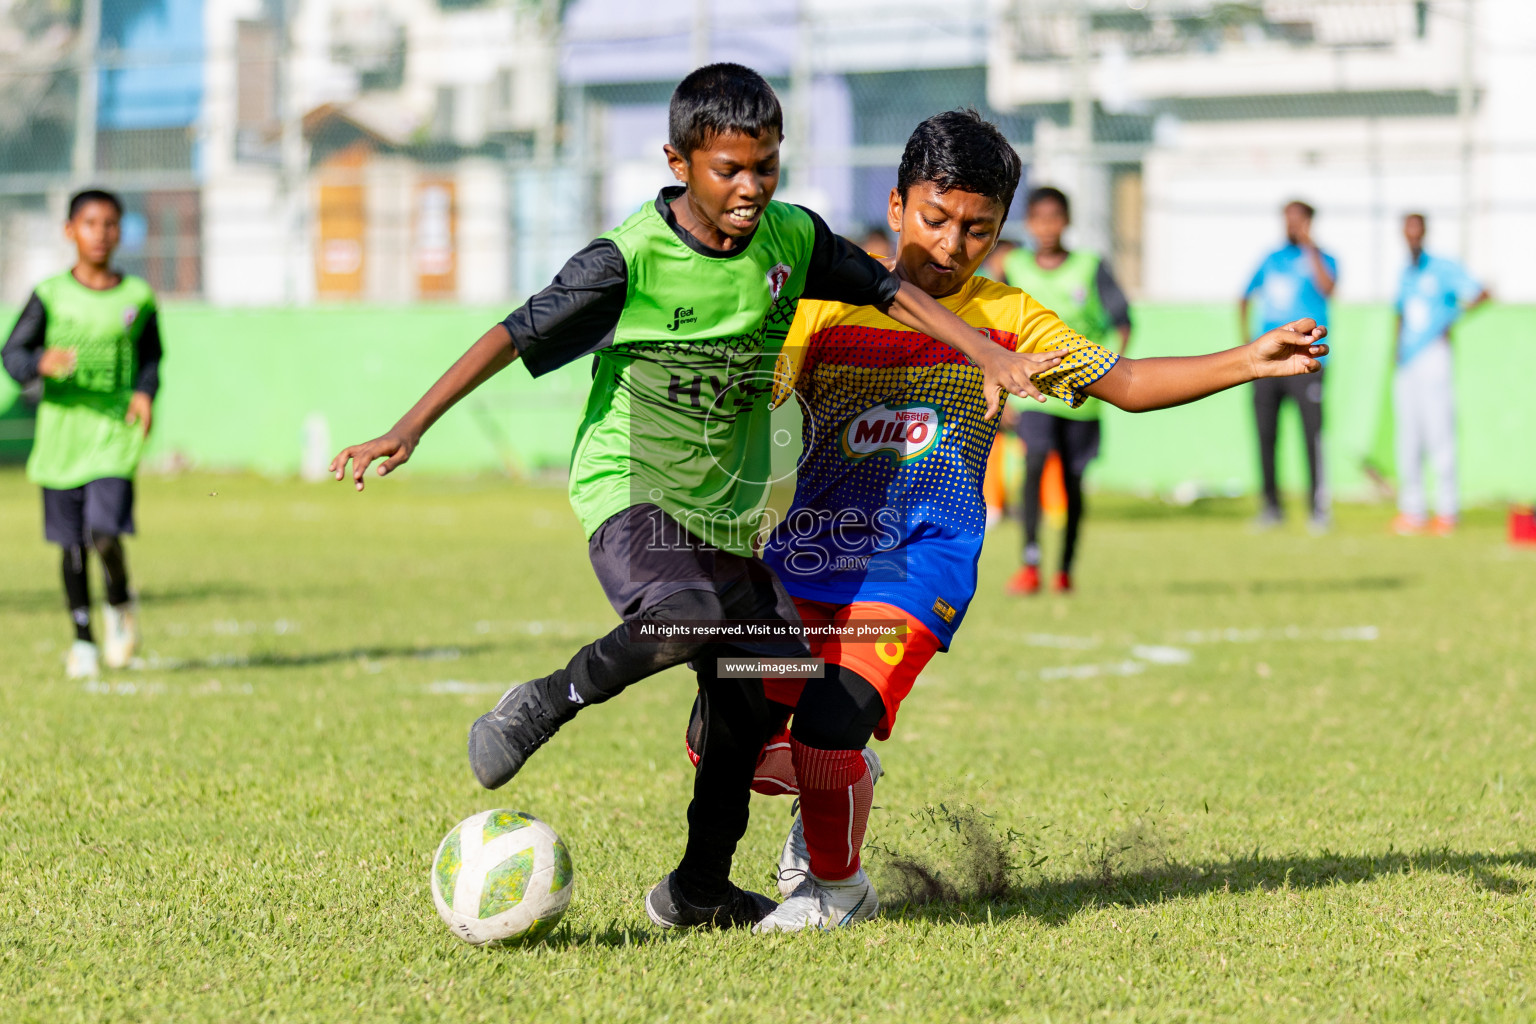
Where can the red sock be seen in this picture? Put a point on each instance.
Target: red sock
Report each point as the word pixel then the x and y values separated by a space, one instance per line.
pixel 775 773
pixel 835 794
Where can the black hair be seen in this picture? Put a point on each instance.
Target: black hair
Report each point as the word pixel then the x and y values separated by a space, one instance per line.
pixel 721 99
pixel 80 200
pixel 1047 194
pixel 1305 208
pixel 959 149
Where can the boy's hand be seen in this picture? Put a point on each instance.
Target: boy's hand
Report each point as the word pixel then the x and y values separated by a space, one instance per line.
pixel 140 411
pixel 394 448
pixel 1289 351
pixel 1011 372
pixel 57 363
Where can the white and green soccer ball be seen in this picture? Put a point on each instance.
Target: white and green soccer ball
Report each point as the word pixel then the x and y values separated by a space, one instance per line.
pixel 502 877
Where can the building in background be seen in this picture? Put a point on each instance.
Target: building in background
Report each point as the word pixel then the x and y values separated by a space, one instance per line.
pixel 855 78
pixel 293 151
pixel 1186 124
pixel 278 151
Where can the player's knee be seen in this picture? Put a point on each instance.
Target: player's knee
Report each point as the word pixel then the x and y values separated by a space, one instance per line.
pixel 839 715
pixel 106 544
pixel 683 606
pixel 74 558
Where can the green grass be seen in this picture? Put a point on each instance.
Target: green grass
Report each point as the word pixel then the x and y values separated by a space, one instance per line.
pixel 1259 777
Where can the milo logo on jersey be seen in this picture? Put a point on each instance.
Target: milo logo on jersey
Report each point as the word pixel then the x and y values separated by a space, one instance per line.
pixel 906 432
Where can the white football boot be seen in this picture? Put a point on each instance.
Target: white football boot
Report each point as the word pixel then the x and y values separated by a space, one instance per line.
pixel 81 661
pixel 822 905
pixel 122 628
pixel 795 859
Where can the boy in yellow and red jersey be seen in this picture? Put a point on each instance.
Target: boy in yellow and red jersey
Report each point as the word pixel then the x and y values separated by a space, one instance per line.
pixel 888 516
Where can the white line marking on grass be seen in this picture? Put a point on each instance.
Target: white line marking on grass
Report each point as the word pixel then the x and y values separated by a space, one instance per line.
pixel 214 687
pixel 1128 667
pixel 128 688
pixel 235 627
pixel 460 686
pixel 1066 643
pixel 558 628
pixel 1256 635
pixel 1159 655
pixel 122 689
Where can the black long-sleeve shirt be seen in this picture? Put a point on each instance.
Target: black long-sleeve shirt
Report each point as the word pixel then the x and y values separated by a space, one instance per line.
pixel 576 314
pixel 24 348
pixel 1112 297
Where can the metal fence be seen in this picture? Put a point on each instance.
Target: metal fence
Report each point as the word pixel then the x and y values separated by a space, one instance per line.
pixel 250 177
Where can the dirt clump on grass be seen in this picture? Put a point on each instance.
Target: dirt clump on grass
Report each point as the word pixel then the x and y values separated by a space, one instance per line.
pixel 947 855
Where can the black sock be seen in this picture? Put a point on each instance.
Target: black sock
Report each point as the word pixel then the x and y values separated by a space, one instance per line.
pixel 114 568
pixel 737 720
pixel 609 665
pixel 1074 487
pixel 77 592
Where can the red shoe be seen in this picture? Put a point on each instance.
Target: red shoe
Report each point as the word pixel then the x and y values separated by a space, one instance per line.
pixel 1063 583
pixel 1442 526
pixel 1026 581
pixel 1407 526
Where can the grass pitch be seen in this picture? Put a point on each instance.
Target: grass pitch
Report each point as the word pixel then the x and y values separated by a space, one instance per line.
pixel 1238 776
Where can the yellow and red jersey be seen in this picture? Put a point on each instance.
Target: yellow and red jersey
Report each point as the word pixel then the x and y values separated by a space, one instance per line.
pixel 888 504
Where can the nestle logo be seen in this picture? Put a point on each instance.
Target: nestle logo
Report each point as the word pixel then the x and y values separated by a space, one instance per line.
pixel 680 316
pixel 907 432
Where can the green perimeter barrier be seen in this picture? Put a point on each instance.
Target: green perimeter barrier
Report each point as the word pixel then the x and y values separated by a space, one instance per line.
pixel 255 389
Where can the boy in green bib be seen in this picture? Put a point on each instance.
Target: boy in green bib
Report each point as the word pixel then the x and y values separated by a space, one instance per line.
pixel 91 339
pixel 683 309
pixel 1078 286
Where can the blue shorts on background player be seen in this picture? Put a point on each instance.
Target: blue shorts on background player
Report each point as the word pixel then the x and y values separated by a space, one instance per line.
pixel 1432 296
pixel 1293 282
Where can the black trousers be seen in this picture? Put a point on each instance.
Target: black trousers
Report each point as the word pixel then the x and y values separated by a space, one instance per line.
pixel 1307 392
pixel 731 722
pixel 1077 442
pixel 732 719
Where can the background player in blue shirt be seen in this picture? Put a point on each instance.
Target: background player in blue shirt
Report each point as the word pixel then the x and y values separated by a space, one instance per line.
pixel 1293 282
pixel 1433 294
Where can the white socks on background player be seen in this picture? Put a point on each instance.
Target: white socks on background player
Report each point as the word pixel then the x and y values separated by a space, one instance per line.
pixel 118 647
pixel 121 642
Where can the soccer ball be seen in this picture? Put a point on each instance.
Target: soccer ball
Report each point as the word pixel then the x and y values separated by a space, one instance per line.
pixel 501 877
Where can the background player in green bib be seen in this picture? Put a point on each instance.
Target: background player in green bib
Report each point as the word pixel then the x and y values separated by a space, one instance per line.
pixel 684 308
pixel 90 338
pixel 1078 286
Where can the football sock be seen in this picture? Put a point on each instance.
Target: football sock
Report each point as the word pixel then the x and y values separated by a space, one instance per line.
pixel 1074 487
pixel 835 796
pixel 114 568
pixel 77 592
pixel 608 666
pixel 1034 471
pixel 736 720
pixel 775 772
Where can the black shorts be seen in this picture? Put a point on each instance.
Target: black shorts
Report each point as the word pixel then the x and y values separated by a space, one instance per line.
pixel 1076 441
pixel 102 508
pixel 642 556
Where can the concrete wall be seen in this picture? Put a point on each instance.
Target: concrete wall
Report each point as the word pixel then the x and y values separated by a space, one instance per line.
pixel 254 390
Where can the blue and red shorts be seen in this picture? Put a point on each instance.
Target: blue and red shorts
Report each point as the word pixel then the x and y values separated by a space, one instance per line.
pixel 890 664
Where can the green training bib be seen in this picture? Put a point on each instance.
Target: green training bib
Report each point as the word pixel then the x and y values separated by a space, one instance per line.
pixel 81 433
pixel 1072 292
pixel 678 412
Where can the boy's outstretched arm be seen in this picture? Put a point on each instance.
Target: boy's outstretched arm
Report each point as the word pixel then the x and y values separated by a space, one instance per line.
pixel 1002 369
pixel 1140 385
pixel 492 353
